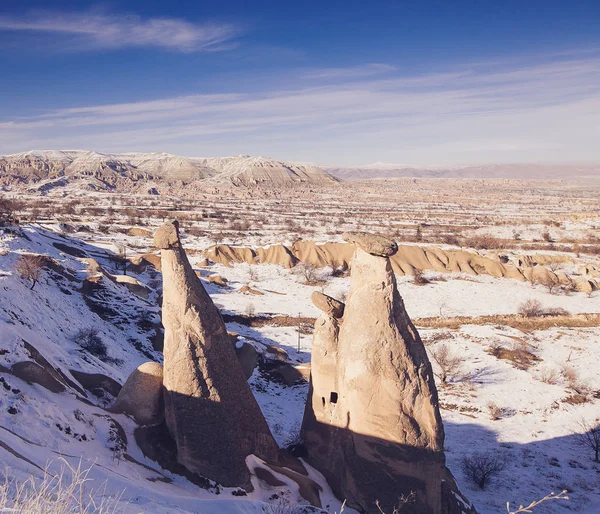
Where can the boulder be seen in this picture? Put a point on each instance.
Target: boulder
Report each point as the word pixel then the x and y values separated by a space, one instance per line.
pixel 327 304
pixel 217 279
pixel 372 422
pixel 141 397
pixel 373 244
pixel 94 381
pixel 248 357
pixel 210 410
pixel 250 290
pixel 33 373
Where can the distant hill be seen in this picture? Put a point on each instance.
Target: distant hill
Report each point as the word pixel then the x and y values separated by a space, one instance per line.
pixel 509 171
pixel 47 169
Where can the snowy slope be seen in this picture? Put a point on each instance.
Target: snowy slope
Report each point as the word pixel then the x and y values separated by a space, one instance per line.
pixel 39 427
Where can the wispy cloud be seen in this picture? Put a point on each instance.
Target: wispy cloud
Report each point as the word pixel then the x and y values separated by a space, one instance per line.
pixel 104 31
pixel 540 112
pixel 353 72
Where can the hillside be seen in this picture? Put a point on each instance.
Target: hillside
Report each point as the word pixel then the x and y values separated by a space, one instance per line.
pixel 485 171
pixel 43 170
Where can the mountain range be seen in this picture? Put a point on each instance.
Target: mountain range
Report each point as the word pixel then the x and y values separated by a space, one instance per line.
pixel 49 169
pixel 53 168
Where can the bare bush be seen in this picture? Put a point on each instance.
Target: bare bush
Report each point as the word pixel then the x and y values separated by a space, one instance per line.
pixel 530 308
pixel 308 272
pixel 448 363
pixel 549 375
pixel 89 339
pixel 495 411
pixel 250 310
pixel 485 242
pixel 589 437
pixel 30 267
pixel 481 468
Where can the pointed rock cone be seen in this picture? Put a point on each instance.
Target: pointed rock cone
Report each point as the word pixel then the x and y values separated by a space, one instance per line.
pixel 209 409
pixel 372 423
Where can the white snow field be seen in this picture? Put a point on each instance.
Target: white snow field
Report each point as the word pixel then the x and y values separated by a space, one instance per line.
pixel 526 411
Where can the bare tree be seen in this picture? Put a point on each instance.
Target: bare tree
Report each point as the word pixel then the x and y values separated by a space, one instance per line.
pixel 480 468
pixel 448 363
pixel 30 267
pixel 549 281
pixel 590 437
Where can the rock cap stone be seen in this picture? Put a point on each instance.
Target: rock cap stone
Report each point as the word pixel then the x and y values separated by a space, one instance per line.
pixel 372 243
pixel 328 304
pixel 167 235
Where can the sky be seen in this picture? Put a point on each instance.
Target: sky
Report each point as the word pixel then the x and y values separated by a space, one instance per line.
pixel 418 83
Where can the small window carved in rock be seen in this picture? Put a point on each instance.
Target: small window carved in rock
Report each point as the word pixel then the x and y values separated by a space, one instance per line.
pixel 333 397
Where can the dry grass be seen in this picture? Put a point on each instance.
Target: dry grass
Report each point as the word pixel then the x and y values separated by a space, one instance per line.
pixel 65 492
pixel 513 320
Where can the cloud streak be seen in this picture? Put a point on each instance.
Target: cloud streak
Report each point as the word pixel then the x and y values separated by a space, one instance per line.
pixel 545 112
pixel 95 31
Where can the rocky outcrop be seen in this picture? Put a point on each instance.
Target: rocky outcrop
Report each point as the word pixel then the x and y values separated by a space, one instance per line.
pixel 209 409
pixel 327 304
pixel 372 424
pixel 405 261
pixel 142 397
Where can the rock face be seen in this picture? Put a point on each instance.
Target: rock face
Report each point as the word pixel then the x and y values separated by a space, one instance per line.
pixel 372 243
pixel 142 395
pixel 372 424
pixel 209 409
pixel 328 304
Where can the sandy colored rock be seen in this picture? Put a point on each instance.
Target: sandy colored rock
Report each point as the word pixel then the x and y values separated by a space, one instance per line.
pixel 248 357
pixel 372 243
pixel 372 424
pixel 327 304
pixel 250 290
pixel 139 232
pixel 210 411
pixel 133 285
pixel 167 236
pixel 141 397
pixel 217 279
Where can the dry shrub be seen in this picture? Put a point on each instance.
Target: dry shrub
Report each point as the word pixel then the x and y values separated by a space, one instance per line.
pixel 449 364
pixel 429 339
pixel 495 411
pixel 520 355
pixel 485 242
pixel 589 437
pixel 481 468
pixel 90 340
pixel 530 308
pixel 549 375
pixel 30 267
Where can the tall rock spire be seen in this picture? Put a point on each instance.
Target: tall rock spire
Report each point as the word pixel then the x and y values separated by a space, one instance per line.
pixel 209 409
pixel 372 423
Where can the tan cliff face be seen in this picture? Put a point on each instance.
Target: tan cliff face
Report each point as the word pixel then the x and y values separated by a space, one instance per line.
pixel 372 424
pixel 209 409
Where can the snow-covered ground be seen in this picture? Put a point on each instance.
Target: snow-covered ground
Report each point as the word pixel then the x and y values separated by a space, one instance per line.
pixel 534 432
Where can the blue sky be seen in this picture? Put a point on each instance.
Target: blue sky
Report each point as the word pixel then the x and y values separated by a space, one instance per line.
pixel 420 83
